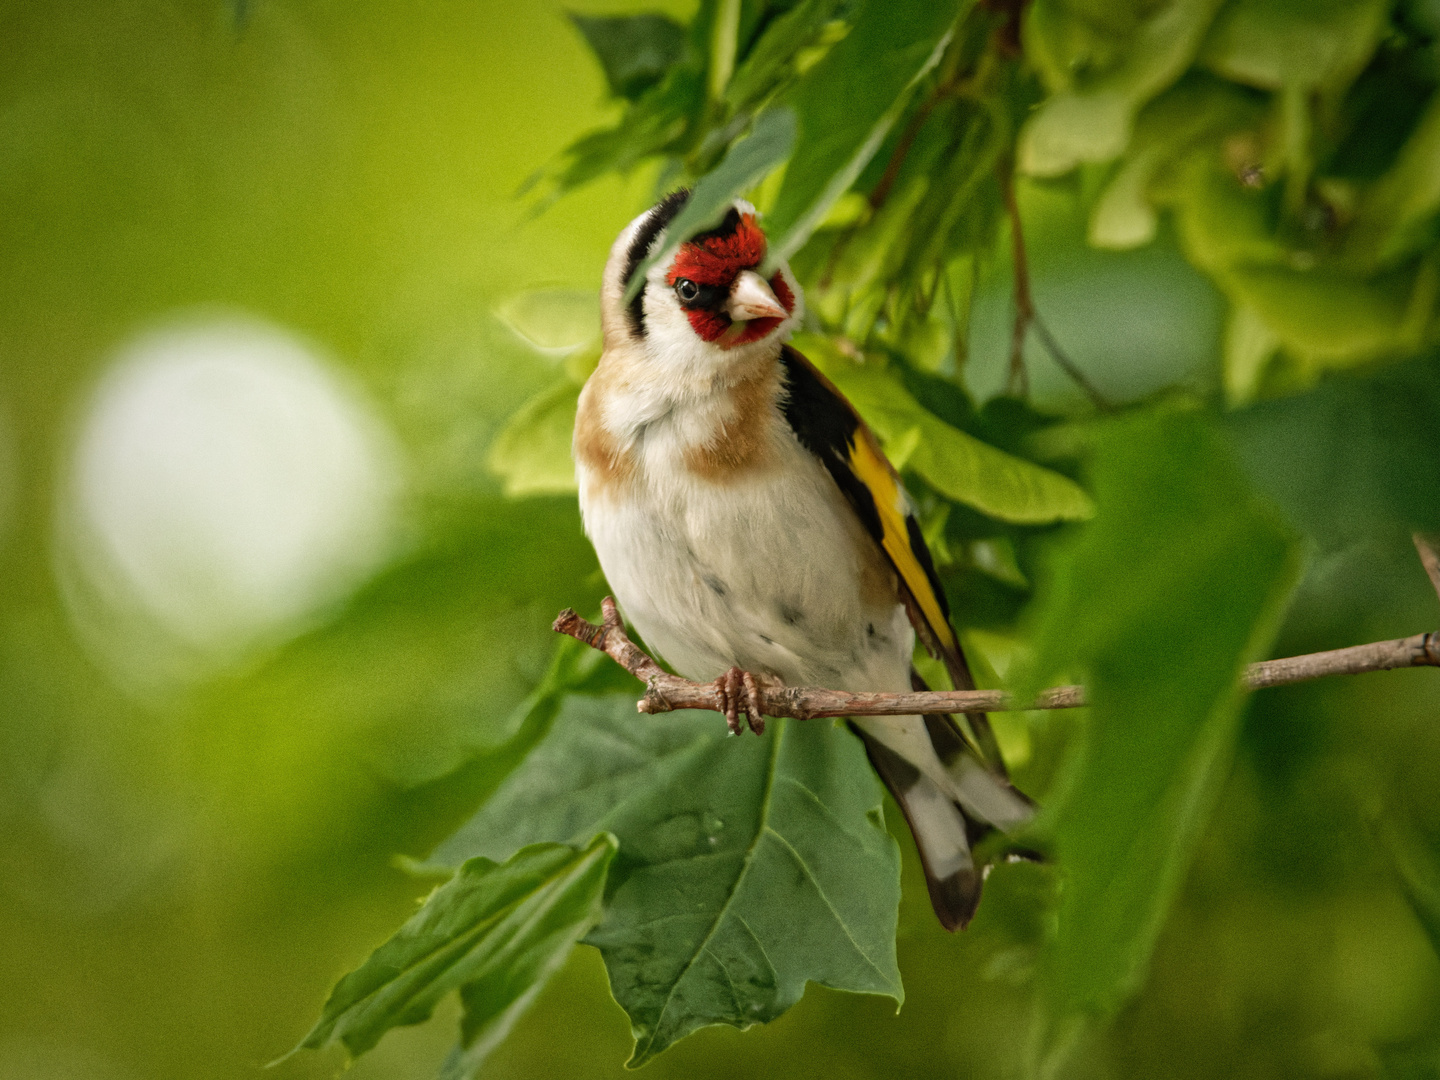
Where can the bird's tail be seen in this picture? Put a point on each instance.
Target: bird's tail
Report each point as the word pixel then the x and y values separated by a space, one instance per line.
pixel 949 820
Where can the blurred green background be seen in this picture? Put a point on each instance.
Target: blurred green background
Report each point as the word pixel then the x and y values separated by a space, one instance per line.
pixel 264 614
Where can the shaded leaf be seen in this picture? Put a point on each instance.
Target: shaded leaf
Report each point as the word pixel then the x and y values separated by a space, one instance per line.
pixel 774 54
pixel 749 866
pixel 1352 457
pixel 848 103
pixel 1417 869
pixel 955 463
pixel 653 124
pixel 1398 213
pixel 1194 109
pixel 496 932
pixel 532 452
pixel 634 50
pixel 1323 314
pixel 1206 570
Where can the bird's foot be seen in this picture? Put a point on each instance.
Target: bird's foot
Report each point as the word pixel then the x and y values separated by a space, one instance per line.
pixel 740 691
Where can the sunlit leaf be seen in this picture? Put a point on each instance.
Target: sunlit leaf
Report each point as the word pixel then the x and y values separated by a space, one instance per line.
pixel 555 321
pixel 634 50
pixel 495 932
pixel 1249 345
pixel 1324 314
pixel 848 103
pixel 750 866
pixel 532 451
pixel 1205 571
pixel 1093 121
pixel 957 464
pixel 1277 43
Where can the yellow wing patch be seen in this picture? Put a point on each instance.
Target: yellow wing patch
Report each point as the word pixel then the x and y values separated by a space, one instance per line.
pixel 875 472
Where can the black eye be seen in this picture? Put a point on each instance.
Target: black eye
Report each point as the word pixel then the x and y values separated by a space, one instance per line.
pixel 687 290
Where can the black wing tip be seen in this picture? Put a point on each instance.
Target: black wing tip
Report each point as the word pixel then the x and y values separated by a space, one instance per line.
pixel 659 216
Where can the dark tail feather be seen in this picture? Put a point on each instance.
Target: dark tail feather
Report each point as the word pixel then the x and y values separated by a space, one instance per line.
pixel 943 833
pixel 959 669
pixel 951 745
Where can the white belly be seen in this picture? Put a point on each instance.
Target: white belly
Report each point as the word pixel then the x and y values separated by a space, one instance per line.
pixel 767 574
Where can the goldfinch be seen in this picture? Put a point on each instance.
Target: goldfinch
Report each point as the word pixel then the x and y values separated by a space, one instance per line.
pixel 751 527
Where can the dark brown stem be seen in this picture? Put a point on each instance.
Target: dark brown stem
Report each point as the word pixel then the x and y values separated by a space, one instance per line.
pixel 1026 316
pixel 1066 364
pixel 1017 383
pixel 665 692
pixel 881 191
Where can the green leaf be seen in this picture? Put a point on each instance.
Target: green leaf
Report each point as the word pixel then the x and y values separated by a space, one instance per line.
pixel 1206 570
pixel 750 866
pixel 634 50
pixel 1416 868
pixel 652 125
pixel 495 932
pixel 1324 314
pixel 532 452
pixel 554 321
pixel 1196 108
pixel 774 54
pixel 1093 121
pixel 848 103
pixel 955 463
pixel 1355 457
pixel 1272 44
pixel 1249 346
pixel 747 163
pixel 1397 215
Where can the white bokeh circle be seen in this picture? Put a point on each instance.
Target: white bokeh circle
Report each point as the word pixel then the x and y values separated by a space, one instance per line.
pixel 226 484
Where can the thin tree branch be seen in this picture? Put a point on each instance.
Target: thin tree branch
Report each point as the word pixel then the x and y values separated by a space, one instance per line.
pixel 665 692
pixel 1026 315
pixel 1018 380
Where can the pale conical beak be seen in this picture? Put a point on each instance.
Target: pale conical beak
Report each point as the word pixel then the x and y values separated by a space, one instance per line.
pixel 752 298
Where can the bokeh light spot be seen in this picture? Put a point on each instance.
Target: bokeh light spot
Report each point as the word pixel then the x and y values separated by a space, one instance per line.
pixel 226 486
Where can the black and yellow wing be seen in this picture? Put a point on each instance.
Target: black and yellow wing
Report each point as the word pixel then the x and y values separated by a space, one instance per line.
pixel 829 427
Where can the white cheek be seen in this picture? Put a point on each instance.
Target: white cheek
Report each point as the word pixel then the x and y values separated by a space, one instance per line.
pixel 671 341
pixel 673 344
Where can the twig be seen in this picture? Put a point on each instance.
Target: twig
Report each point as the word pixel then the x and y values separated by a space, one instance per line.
pixel 1018 380
pixel 1026 315
pixel 1063 361
pixel 665 692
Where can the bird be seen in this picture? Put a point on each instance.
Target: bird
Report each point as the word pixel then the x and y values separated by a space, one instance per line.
pixel 754 533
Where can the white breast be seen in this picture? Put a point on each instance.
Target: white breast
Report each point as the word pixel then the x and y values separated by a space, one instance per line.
pixel 767 572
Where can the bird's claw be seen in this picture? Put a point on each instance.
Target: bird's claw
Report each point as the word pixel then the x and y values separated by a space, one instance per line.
pixel 739 691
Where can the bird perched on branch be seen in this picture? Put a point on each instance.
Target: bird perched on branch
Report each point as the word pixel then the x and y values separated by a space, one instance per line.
pixel 752 528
